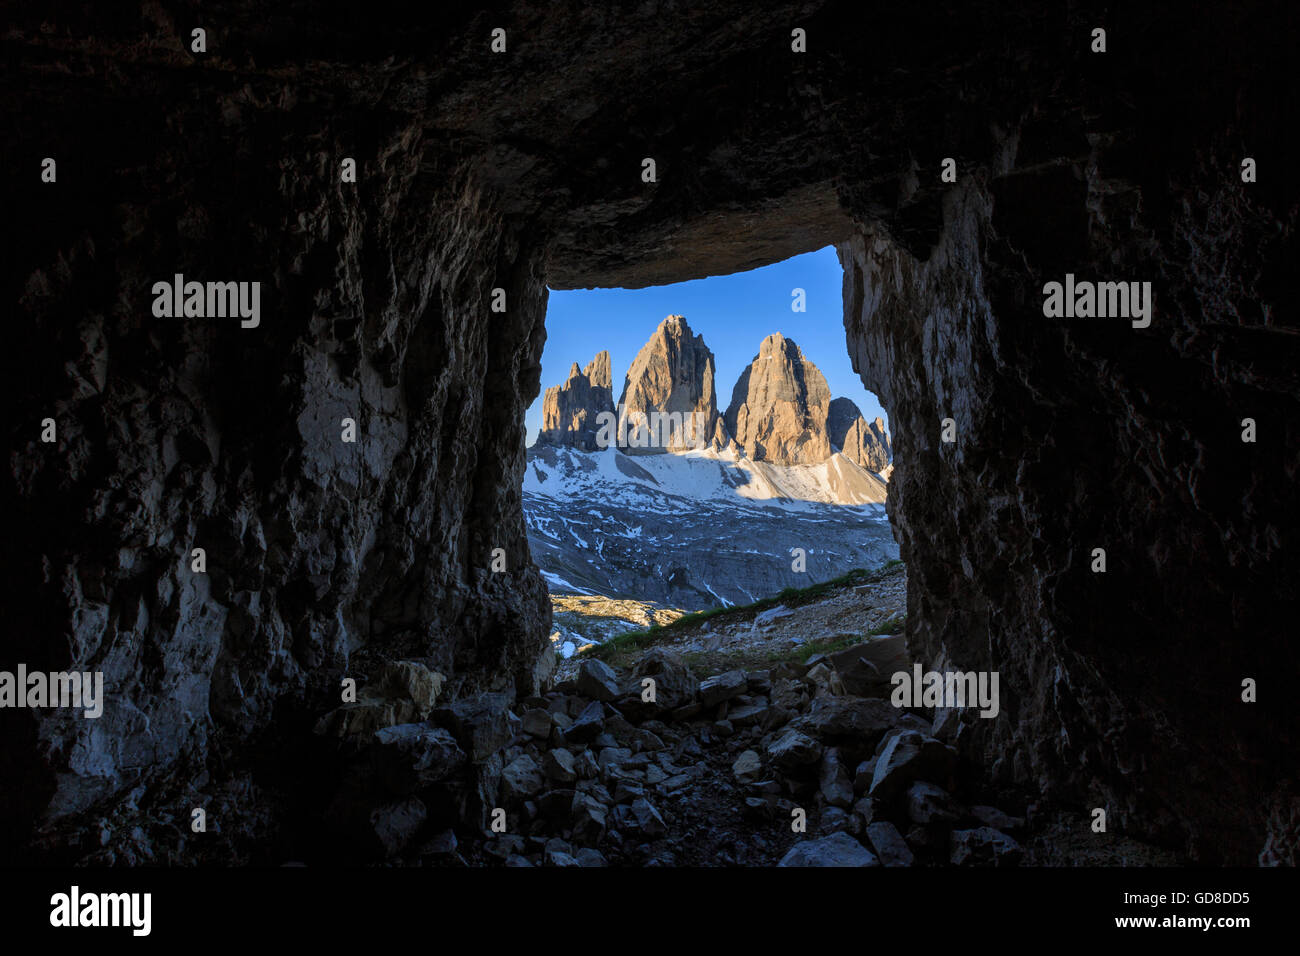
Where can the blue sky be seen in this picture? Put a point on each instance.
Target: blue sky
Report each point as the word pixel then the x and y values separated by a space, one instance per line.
pixel 734 314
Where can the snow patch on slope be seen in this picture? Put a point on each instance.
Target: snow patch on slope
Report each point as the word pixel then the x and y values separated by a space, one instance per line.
pixel 651 482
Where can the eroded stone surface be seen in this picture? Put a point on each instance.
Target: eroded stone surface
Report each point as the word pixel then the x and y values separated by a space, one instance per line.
pixel 571 413
pixel 868 445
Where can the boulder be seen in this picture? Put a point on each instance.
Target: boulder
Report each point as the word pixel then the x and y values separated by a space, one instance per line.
pixel 757 714
pixel 483 724
pixel 760 682
pixel 906 757
pixel 838 849
pixel 537 723
pixel 836 788
pixel 588 820
pixel 889 844
pixel 824 679
pixel 928 804
pixel 588 725
pixel 622 730
pixel 675 686
pixel 557 765
pixel 867 721
pixel 487 780
pixel 612 757
pixel 520 779
pixel 788 693
pixel 394 825
pixel 402 692
pixel 834 819
pixel 871 811
pixel 597 680
pixel 647 819
pixel 408 757
pixel 984 846
pixel 794 749
pixel 626 790
pixel 644 741
pixel 542 674
pixel 723 687
pixel 585 766
pixel 862 776
pixel 866 669
pixel 747 766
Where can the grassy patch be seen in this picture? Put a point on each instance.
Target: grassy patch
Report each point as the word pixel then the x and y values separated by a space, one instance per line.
pixel 830 645
pixel 618 648
pixel 702 664
pixel 895 625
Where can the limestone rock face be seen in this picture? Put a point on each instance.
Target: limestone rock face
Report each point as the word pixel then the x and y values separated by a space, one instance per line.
pixel 570 412
pixel 670 383
pixel 779 406
pixel 866 445
pixel 1084 709
pixel 324 559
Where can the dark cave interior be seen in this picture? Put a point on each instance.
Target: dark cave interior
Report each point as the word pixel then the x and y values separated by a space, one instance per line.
pixel 479 171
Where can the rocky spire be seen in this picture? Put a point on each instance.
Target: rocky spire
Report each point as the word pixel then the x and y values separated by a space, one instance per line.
pixel 570 411
pixel 779 406
pixel 867 445
pixel 670 383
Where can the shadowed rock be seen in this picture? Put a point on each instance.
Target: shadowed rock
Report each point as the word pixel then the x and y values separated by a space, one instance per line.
pixel 838 849
pixel 866 445
pixel 571 412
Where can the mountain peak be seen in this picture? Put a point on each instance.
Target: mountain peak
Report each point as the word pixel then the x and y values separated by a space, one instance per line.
pixel 781 409
pixel 598 371
pixel 775 341
pixel 569 411
pixel 671 376
pixel 779 406
pixel 865 445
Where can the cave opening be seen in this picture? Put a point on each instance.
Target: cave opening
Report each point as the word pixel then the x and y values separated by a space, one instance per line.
pixel 707 446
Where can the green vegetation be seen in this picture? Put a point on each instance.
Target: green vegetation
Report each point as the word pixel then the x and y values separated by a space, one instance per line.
pixel 706 664
pixel 621 646
pixel 830 645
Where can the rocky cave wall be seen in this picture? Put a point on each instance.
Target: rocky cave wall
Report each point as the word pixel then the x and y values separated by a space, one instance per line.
pixel 479 171
pixel 1122 689
pixel 322 556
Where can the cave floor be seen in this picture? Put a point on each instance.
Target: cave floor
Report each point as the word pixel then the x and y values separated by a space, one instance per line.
pixel 714 817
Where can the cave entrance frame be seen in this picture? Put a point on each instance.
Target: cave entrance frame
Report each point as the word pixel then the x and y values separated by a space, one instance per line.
pixel 713 244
